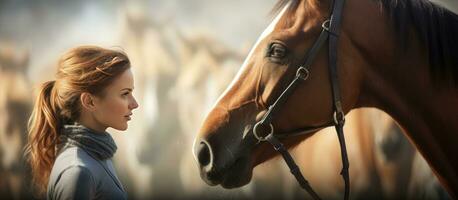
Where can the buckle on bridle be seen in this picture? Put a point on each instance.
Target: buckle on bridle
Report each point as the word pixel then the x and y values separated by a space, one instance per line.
pixel 260 138
pixel 339 118
pixel 325 25
pixel 303 73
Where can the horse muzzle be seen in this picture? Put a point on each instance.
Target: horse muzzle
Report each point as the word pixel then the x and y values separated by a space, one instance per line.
pixel 222 167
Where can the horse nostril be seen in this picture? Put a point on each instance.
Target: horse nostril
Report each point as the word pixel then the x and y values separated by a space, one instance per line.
pixel 204 154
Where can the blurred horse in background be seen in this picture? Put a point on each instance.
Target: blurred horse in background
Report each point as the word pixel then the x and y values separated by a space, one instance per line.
pixel 15 107
pixel 143 157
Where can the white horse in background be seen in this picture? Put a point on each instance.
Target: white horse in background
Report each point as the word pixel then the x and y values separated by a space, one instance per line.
pixel 144 149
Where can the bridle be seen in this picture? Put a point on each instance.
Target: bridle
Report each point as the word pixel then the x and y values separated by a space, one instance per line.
pixel 330 32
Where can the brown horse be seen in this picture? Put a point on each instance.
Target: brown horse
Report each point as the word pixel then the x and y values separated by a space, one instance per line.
pixel 393 55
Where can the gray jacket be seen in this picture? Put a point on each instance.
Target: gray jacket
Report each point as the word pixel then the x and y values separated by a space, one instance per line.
pixel 78 175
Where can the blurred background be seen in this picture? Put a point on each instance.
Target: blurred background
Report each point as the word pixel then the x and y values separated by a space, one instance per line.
pixel 184 54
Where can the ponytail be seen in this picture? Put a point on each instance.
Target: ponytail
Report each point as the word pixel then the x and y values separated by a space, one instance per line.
pixel 43 127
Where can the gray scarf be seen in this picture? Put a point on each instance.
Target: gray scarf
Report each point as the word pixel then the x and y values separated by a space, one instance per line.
pixel 97 144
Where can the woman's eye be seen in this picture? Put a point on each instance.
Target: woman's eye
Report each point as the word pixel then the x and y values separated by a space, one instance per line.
pixel 125 94
pixel 277 51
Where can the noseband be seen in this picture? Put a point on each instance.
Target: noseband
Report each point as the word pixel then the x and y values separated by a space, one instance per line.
pixel 330 32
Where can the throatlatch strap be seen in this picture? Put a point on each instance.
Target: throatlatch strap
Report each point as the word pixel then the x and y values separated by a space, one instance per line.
pixel 294 169
pixel 336 19
pixel 345 164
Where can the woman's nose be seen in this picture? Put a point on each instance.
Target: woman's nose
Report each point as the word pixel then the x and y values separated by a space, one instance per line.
pixel 133 104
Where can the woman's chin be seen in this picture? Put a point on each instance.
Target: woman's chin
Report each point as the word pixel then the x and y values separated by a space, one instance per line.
pixel 120 128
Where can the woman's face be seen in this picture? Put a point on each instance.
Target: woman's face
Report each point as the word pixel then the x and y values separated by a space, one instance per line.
pixel 114 109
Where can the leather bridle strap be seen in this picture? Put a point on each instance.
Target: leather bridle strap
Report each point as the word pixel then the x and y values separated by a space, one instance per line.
pixel 301 74
pixel 339 116
pixel 330 32
pixel 294 169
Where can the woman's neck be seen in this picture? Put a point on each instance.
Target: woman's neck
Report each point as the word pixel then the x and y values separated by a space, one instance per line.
pixel 89 121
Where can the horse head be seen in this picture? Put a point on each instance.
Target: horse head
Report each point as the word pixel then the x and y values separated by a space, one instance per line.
pixel 226 148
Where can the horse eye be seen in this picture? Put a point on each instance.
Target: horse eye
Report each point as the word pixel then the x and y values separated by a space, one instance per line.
pixel 277 51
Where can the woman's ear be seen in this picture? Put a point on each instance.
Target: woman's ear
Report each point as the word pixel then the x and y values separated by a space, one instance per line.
pixel 87 101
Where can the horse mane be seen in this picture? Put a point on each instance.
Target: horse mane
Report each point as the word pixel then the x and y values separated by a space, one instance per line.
pixel 436 26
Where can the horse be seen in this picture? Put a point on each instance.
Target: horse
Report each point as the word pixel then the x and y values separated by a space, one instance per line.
pixel 396 56
pixel 15 105
pixel 151 46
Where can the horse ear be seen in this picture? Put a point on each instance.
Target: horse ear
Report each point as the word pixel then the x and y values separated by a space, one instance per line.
pixel 14 59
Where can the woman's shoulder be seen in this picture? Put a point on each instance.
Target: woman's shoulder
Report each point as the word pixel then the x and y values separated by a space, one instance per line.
pixel 74 156
pixel 74 182
pixel 76 175
pixel 77 160
pixel 73 170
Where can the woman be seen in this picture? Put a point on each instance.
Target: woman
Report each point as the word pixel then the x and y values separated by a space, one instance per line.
pixel 68 148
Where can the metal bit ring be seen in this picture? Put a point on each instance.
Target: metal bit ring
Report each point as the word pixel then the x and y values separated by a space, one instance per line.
pixel 260 138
